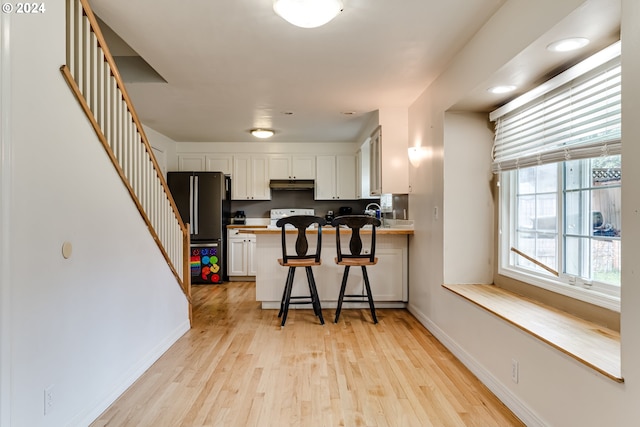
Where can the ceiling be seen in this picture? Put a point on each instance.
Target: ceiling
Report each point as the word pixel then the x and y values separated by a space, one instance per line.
pixel 221 67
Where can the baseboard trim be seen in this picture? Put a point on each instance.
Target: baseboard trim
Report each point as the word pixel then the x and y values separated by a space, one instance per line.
pixel 518 407
pixel 85 418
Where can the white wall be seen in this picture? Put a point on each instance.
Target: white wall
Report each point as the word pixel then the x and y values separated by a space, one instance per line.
pixel 5 249
pixel 164 148
pixel 630 315
pixel 91 324
pixel 467 173
pixel 554 389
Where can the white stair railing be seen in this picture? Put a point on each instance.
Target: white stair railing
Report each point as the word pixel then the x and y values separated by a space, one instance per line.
pixel 93 76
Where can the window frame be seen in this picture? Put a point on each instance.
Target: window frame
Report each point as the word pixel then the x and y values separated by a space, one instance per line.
pixel 597 293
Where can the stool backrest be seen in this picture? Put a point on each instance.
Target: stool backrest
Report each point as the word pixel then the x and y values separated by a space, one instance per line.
pixel 356 223
pixel 301 223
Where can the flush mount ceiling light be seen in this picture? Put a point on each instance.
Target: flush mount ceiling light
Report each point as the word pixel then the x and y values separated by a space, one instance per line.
pixel 262 133
pixel 501 89
pixel 567 45
pixel 307 13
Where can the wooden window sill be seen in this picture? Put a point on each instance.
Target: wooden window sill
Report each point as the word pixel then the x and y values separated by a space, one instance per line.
pixel 591 344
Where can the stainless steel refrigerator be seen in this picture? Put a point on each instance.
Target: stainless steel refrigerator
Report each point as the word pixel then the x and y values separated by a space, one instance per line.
pixel 203 200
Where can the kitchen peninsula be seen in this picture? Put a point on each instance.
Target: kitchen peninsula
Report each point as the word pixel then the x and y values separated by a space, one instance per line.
pixel 389 277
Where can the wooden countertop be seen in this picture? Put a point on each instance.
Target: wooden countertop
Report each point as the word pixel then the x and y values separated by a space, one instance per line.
pixel 262 229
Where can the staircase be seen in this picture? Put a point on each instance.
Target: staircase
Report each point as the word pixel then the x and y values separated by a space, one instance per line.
pixel 93 77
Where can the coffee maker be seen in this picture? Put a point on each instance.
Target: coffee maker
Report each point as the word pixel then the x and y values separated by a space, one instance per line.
pixel 239 218
pixel 329 217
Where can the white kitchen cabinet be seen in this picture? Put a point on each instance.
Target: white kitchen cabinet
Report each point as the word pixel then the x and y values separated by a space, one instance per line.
pixel 219 163
pixel 251 256
pixel 389 160
pixel 335 177
pixel 192 162
pixel 206 162
pixel 285 166
pixel 250 178
pixel 375 162
pixel 362 173
pixel 241 255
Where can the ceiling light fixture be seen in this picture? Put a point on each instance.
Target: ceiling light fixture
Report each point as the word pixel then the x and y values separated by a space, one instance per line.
pixel 567 45
pixel 307 13
pixel 262 133
pixel 501 89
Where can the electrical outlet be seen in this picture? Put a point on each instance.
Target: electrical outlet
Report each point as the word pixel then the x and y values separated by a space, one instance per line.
pixel 48 399
pixel 514 371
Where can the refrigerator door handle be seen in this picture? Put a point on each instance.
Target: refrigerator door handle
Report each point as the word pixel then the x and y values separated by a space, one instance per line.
pixel 196 206
pixel 191 203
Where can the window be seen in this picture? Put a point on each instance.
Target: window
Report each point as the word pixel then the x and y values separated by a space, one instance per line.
pixel 557 151
pixel 564 218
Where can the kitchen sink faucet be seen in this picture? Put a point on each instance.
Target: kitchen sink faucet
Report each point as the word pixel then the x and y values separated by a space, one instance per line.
pixel 374 212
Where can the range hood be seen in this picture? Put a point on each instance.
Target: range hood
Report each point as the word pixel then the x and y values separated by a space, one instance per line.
pixel 291 184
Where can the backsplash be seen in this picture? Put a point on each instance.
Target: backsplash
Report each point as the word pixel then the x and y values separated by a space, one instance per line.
pixel 304 199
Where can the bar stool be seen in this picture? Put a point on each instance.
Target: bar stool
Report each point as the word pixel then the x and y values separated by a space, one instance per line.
pixel 356 258
pixel 302 258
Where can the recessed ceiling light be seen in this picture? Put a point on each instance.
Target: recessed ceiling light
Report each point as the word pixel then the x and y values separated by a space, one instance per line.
pixel 262 133
pixel 501 89
pixel 566 45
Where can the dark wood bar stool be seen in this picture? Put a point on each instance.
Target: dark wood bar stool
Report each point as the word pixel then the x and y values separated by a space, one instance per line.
pixel 302 258
pixel 356 258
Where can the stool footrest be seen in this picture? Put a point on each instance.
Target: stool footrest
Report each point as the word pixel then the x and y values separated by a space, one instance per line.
pixel 301 302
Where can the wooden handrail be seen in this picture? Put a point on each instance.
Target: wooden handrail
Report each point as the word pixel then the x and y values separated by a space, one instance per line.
pixel 125 96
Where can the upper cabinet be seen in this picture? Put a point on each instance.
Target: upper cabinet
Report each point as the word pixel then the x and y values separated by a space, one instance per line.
pixel 191 162
pixel 250 178
pixel 362 172
pixel 220 163
pixel 285 166
pixel 375 162
pixel 206 162
pixel 335 177
pixel 389 160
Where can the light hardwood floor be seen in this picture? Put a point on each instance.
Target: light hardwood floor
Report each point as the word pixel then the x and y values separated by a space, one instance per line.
pixel 236 367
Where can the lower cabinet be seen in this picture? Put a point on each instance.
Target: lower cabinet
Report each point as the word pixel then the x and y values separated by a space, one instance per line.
pixel 241 255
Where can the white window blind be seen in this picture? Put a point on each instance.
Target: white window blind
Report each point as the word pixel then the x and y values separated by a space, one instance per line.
pixel 580 118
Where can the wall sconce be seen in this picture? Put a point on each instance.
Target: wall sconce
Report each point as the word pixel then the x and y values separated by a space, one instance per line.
pixel 416 154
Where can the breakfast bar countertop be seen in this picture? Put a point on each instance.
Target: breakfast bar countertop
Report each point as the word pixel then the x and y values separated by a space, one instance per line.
pixel 325 229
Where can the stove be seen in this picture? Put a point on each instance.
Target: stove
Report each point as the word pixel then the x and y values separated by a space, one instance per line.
pixel 276 214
